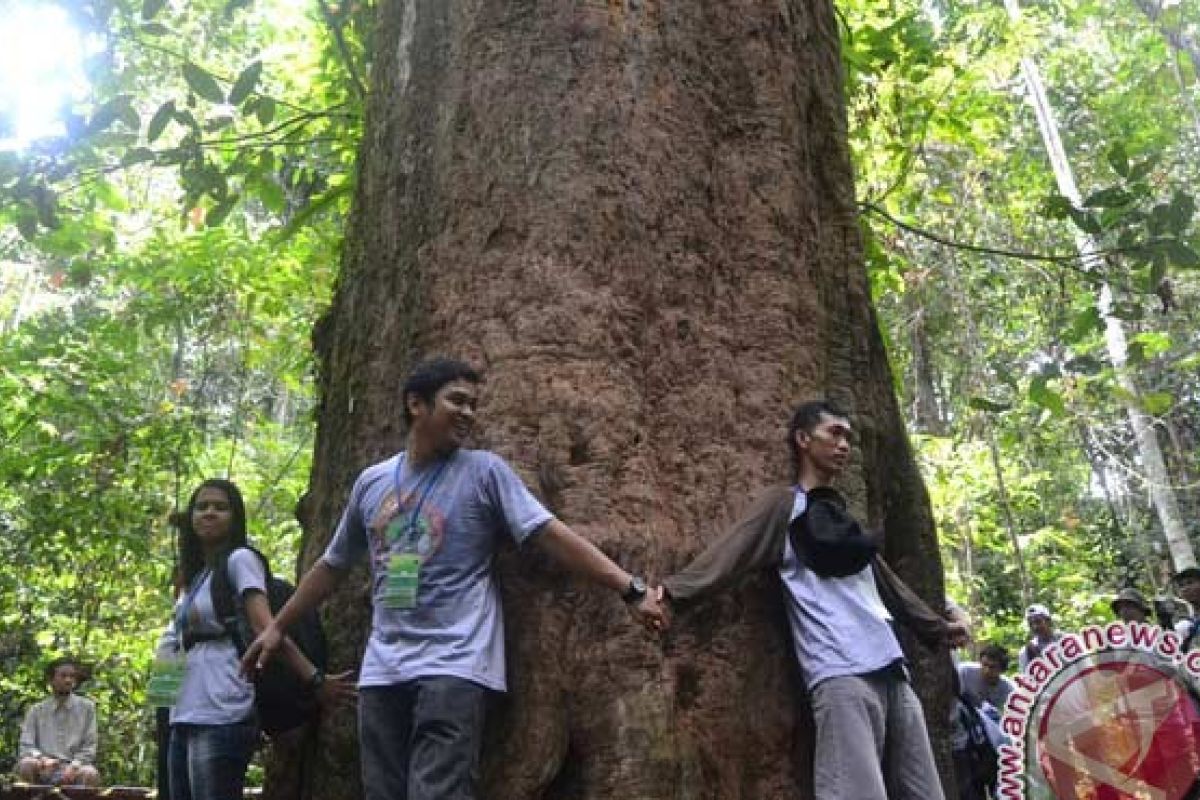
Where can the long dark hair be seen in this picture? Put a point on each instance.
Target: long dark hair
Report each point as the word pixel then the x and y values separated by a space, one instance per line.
pixel 191 554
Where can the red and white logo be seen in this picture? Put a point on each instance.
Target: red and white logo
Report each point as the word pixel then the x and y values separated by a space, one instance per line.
pixel 1107 714
pixel 1120 729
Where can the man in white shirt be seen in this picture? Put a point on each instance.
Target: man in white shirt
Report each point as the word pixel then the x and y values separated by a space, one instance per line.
pixel 58 736
pixel 1041 625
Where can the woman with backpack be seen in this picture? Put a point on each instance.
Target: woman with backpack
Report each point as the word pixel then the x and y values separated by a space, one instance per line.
pixel 214 727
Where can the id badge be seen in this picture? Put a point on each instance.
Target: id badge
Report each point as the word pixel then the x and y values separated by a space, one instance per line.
pixel 401 582
pixel 166 679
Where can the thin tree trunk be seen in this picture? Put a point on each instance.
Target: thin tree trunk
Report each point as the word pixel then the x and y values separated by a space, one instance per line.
pixel 925 411
pixel 974 383
pixel 1161 491
pixel 1010 523
pixel 639 219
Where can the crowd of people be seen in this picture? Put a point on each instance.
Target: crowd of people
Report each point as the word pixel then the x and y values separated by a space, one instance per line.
pixel 428 520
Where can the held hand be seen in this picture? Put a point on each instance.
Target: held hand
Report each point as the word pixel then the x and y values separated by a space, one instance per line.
pixel 261 651
pixel 338 691
pixel 957 634
pixel 651 611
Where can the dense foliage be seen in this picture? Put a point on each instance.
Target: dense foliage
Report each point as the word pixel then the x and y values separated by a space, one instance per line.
pixel 994 329
pixel 166 258
pixel 164 265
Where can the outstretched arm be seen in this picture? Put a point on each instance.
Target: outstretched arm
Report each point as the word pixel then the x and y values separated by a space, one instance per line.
pixel 752 543
pixel 316 586
pixel 929 626
pixel 331 689
pixel 583 558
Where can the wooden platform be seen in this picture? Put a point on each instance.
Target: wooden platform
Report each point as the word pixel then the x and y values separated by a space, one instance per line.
pixel 27 791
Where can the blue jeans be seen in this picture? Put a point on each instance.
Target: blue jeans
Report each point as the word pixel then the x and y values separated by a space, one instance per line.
pixel 420 740
pixel 208 762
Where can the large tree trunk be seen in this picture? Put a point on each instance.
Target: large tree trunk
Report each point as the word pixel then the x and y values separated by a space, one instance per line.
pixel 638 217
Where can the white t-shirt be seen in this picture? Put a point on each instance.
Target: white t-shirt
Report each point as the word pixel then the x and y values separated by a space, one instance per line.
pixel 840 626
pixel 213 692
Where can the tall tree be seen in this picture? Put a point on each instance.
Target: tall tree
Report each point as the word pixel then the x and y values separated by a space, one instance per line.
pixel 640 219
pixel 1158 480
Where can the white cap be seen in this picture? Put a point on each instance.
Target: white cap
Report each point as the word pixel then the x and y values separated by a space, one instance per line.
pixel 1037 610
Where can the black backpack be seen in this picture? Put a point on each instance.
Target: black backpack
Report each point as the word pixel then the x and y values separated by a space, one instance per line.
pixel 283 700
pixel 981 755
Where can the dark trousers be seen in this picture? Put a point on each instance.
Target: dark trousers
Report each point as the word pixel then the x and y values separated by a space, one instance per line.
pixel 420 740
pixel 162 737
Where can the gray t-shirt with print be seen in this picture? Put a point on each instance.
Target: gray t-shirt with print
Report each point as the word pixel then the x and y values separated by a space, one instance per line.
pixel 465 503
pixel 840 626
pixel 213 692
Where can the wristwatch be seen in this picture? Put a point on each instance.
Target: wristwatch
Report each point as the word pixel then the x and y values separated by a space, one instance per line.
pixel 636 590
pixel 317 679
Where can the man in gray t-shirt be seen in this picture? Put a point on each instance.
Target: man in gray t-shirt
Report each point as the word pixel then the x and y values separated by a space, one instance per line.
pixel 985 681
pixel 428 520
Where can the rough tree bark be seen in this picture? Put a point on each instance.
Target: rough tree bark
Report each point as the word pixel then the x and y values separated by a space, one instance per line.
pixel 638 217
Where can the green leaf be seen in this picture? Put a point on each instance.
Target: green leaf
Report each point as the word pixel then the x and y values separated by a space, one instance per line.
pixel 155 29
pixel 1180 255
pixel 1153 343
pixel 1158 270
pixel 1128 311
pixel 202 83
pixel 150 8
pixel 1084 365
pixel 138 155
pixel 217 214
pixel 27 221
pixel 1139 171
pixel 245 83
pixel 1086 322
pixel 108 195
pixel 1180 212
pixel 158 122
pixel 1118 159
pixel 272 196
pixel 1085 221
pixel 130 118
pixel 990 406
pixel 1160 219
pixel 1157 403
pixel 1056 207
pixel 110 112
pixel 265 110
pixel 1041 394
pixel 1111 197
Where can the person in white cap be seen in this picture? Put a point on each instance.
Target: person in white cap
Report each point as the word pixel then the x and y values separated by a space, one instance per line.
pixel 1041 625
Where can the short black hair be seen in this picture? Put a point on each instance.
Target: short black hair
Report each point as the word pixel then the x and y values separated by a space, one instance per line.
pixel 81 671
pixel 997 653
pixel 431 375
pixel 805 418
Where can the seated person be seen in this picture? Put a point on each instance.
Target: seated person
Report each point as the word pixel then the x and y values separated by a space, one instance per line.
pixel 58 736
